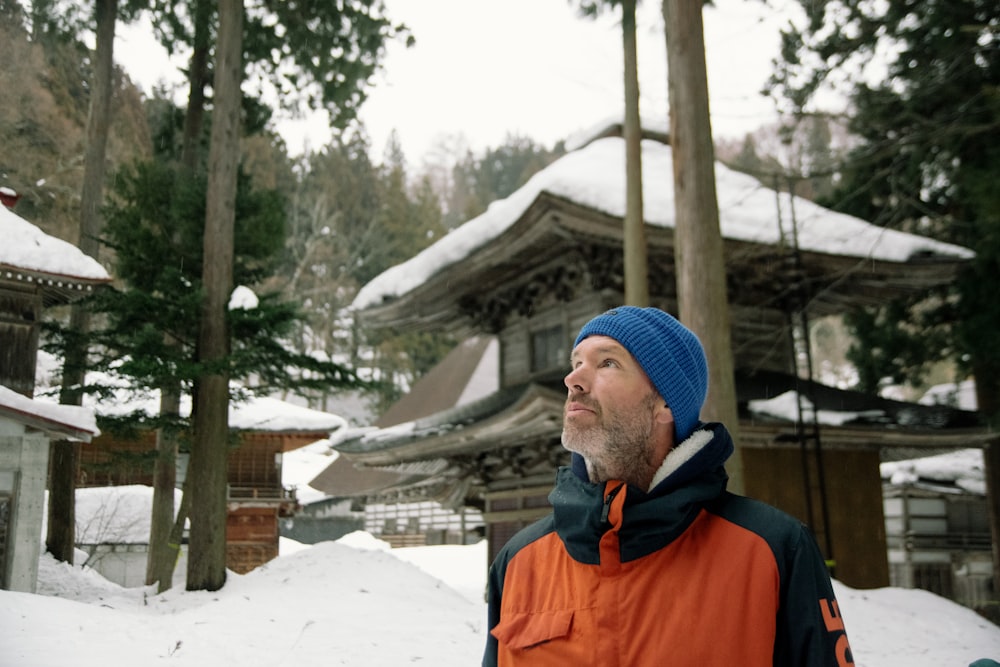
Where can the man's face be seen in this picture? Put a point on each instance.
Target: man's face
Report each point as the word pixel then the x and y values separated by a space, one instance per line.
pixel 611 414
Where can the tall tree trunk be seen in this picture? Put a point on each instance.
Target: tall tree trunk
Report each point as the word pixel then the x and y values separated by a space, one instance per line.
pixel 65 456
pixel 636 261
pixel 163 548
pixel 161 568
pixel 207 550
pixel 698 250
pixel 197 80
pixel 162 554
pixel 987 383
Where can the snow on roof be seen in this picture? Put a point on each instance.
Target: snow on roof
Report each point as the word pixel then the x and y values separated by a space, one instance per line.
pixel 786 405
pixel 71 421
pixel 594 176
pixel 961 395
pixel 256 413
pixel 27 247
pixel 300 466
pixel 963 468
pixel 265 413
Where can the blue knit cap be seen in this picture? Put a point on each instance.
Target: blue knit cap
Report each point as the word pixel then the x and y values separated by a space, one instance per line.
pixel 669 353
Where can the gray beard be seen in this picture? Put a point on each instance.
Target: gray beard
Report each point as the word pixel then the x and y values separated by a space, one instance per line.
pixel 619 448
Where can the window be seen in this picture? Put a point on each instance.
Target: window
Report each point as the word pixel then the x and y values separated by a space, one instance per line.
pixel 548 349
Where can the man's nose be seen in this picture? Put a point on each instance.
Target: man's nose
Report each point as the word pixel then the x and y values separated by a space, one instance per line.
pixel 575 380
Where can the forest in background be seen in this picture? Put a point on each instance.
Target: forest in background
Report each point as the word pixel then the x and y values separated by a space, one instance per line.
pixel 347 217
pixel 915 151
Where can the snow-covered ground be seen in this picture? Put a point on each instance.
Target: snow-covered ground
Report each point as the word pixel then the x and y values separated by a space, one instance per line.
pixel 356 602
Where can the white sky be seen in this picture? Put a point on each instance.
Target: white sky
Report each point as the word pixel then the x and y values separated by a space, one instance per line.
pixel 486 68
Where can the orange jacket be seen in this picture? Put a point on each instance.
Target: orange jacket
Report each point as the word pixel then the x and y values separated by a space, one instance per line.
pixel 688 574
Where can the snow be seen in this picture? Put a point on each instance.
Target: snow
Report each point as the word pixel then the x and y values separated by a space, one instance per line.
pixel 115 514
pixel 785 406
pixel 594 176
pixel 25 246
pixel 328 604
pixel 963 468
pixel 264 413
pixel 300 466
pixel 72 416
pixel 243 298
pixel 485 379
pixel 254 413
pixel 356 602
pixel 961 395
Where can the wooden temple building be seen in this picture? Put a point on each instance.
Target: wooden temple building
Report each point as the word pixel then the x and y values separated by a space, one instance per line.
pixel 536 266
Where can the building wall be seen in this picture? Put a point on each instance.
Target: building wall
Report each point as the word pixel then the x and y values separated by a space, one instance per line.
pixel 256 497
pixel 313 530
pixel 109 460
pixel 940 542
pixel 518 361
pixel 125 564
pixel 251 537
pixel 422 523
pixel 509 511
pixel 853 491
pixel 322 521
pixel 24 462
pixel 20 312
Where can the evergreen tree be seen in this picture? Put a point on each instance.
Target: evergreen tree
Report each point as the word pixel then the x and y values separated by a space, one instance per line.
pixel 159 212
pixel 928 161
pixel 804 155
pixel 312 53
pixel 330 220
pixel 408 220
pixel 479 180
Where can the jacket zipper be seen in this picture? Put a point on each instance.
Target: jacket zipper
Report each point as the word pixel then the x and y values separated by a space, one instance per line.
pixel 606 510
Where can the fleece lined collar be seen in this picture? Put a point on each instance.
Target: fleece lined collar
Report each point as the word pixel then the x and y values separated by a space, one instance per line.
pixel 705 449
pixel 681 455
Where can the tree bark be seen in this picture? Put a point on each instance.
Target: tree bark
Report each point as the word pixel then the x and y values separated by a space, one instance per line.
pixel 163 549
pixel 162 555
pixel 636 259
pixel 207 549
pixel 698 251
pixel 991 472
pixel 65 456
pixel 197 80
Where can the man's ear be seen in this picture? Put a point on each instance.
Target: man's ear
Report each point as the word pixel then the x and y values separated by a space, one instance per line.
pixel 664 415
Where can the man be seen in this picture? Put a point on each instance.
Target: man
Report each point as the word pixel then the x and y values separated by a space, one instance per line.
pixel 646 558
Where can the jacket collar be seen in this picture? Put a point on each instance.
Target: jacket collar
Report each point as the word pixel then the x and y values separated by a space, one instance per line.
pixel 690 476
